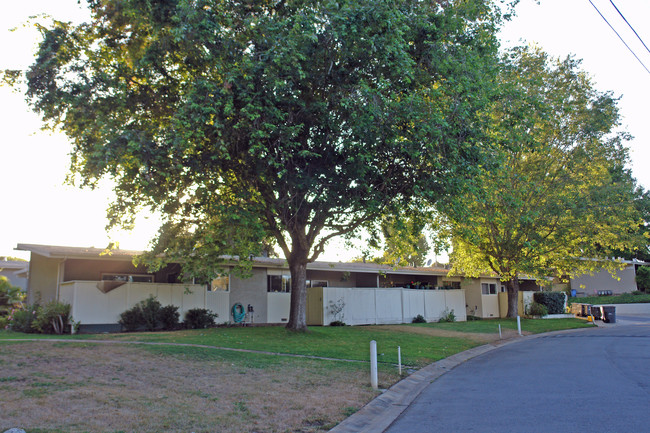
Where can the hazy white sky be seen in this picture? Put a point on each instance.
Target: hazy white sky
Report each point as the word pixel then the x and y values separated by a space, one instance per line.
pixel 38 208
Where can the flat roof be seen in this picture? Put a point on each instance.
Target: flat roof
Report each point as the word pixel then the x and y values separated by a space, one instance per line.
pixel 55 251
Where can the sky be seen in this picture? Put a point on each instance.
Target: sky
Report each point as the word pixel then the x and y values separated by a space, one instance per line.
pixel 38 207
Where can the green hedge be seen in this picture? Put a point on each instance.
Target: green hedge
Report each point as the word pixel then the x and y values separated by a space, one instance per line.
pixel 553 301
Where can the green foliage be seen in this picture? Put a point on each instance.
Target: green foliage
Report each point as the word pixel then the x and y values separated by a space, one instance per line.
pixel 199 318
pixel 10 296
pixel 419 319
pixel 22 319
pixel 150 315
pixel 643 277
pixel 561 191
pixel 553 301
pixel 447 316
pixel 293 123
pixel 131 319
pixel 150 308
pixel 536 309
pixel 168 317
pixel 52 318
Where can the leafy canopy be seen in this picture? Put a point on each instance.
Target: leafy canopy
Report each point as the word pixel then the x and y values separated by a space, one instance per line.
pixel 561 199
pixel 249 121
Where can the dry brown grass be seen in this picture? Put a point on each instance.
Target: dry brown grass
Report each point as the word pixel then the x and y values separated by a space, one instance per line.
pixel 477 337
pixel 73 387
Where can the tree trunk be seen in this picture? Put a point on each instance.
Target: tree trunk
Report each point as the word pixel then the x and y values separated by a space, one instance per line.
pixel 513 297
pixel 298 308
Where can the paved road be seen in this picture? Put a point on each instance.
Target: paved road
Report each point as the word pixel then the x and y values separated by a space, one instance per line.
pixel 593 380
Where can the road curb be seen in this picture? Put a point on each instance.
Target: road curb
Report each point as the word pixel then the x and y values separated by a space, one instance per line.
pixel 379 414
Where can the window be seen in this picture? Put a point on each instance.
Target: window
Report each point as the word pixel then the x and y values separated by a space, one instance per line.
pixel 132 278
pixel 317 283
pixel 279 283
pixel 488 288
pixel 220 284
pixel 452 284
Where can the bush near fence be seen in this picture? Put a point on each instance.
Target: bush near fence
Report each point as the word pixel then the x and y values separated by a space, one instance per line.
pixel 553 301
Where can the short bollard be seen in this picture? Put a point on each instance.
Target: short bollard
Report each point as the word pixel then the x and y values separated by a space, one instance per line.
pixel 519 325
pixel 500 337
pixel 399 360
pixel 373 365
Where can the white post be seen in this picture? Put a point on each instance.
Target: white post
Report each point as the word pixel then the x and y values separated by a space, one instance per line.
pixel 500 337
pixel 399 359
pixel 373 365
pixel 519 324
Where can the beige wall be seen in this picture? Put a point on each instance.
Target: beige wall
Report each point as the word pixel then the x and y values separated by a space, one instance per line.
pixel 251 291
pixel 480 305
pixel 92 270
pixel 43 276
pixel 623 281
pixel 90 306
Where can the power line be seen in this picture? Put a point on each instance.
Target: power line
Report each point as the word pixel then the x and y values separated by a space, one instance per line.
pixel 619 36
pixel 630 25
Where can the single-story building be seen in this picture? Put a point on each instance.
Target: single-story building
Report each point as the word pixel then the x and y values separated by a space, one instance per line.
pixel 100 284
pixel 16 272
pixel 622 281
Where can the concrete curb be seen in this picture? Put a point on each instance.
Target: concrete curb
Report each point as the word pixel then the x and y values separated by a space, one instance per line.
pixel 379 414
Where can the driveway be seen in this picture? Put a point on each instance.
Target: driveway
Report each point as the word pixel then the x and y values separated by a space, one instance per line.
pixel 588 380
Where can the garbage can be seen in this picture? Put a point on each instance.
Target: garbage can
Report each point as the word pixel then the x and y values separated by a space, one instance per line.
pixel 573 293
pixel 596 312
pixel 609 313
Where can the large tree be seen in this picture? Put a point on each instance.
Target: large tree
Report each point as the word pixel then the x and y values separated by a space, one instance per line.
pixel 560 201
pixel 295 120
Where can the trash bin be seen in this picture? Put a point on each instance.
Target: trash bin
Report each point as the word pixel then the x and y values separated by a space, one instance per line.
pixel 596 312
pixel 609 313
pixel 573 293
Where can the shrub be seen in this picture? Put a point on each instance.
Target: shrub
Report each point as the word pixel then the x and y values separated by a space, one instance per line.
pixel 418 319
pixel 553 301
pixel 447 316
pixel 21 320
pixel 643 278
pixel 199 318
pixel 337 323
pixel 131 319
pixel 471 317
pixel 150 312
pixel 168 317
pixel 536 309
pixel 52 318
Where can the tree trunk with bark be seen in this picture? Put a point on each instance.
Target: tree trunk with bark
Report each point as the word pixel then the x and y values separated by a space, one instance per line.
pixel 298 307
pixel 513 297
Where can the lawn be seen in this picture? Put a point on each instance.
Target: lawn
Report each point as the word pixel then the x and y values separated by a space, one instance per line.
pixel 107 386
pixel 625 298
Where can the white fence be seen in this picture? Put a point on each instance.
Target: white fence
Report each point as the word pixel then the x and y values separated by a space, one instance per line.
pixel 370 306
pixel 90 306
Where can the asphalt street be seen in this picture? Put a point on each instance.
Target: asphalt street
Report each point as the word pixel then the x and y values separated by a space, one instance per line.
pixel 588 380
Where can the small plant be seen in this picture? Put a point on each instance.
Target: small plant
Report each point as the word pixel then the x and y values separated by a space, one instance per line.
pixel 419 319
pixel 336 310
pixel 471 317
pixel 52 318
pixel 169 317
pixel 536 309
pixel 447 316
pixel 199 318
